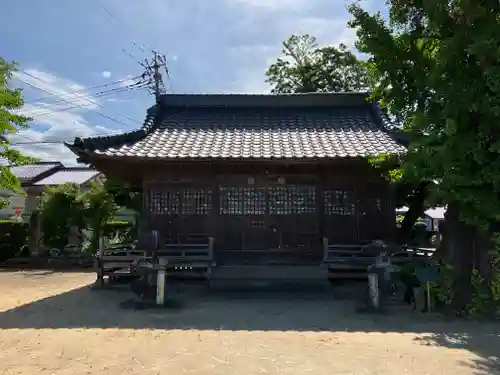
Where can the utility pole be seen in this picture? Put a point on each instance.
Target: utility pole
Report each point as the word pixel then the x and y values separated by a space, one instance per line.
pixel 153 69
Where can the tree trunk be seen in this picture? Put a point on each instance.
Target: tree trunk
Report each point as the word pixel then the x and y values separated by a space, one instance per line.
pixel 457 250
pixel 415 210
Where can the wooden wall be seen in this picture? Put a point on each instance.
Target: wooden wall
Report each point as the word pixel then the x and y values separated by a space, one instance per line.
pixel 266 205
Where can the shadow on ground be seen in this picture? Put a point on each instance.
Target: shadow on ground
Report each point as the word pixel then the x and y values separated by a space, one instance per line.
pixel 264 307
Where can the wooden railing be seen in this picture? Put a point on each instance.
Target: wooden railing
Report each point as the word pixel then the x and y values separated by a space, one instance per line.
pixel 124 260
pixel 186 253
pixel 360 254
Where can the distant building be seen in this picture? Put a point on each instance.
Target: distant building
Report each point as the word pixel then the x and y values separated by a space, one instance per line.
pixel 432 217
pixel 35 178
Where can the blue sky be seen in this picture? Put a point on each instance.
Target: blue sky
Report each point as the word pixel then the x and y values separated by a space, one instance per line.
pixel 212 46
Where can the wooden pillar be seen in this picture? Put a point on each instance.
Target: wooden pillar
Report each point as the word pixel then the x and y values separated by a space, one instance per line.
pixel 35 233
pixel 100 263
pixel 373 291
pixel 161 282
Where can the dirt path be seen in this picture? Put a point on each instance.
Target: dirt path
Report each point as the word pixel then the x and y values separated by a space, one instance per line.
pixel 51 323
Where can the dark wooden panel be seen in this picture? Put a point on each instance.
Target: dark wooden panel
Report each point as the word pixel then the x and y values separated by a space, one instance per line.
pixel 340 206
pixel 287 208
pixel 376 220
pixel 294 216
pixel 180 214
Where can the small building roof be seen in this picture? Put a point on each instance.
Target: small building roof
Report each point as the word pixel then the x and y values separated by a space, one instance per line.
pixel 31 172
pixel 436 213
pixel 292 126
pixel 78 176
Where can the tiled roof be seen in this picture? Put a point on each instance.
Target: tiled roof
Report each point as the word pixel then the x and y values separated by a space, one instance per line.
pixel 32 171
pixel 69 175
pixel 253 126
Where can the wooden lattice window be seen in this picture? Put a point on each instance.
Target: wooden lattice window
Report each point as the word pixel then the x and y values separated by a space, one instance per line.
pixel 242 201
pixel 254 201
pixel 339 202
pixel 304 200
pixel 231 201
pixel 196 202
pixel 292 200
pixel 279 201
pixel 180 201
pixel 164 202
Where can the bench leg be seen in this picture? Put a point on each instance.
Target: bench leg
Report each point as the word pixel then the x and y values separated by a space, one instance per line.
pixel 209 277
pixel 100 278
pixel 161 281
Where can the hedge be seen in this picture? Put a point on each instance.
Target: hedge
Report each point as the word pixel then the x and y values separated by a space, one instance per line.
pixel 13 239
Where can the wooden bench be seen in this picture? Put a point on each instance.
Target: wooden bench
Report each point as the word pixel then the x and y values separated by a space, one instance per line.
pixel 188 253
pixel 124 261
pixel 116 261
pixel 352 260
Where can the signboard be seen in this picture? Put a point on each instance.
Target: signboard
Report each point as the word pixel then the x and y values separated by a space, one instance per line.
pixel 18 211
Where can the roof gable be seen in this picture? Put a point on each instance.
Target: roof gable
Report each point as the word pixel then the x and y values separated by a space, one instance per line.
pixel 294 126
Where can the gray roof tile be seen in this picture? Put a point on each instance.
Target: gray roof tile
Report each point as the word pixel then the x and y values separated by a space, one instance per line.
pixel 69 175
pixel 32 171
pixel 294 126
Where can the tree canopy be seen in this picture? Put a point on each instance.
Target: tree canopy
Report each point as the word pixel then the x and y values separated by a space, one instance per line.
pixel 10 122
pixel 306 67
pixel 437 67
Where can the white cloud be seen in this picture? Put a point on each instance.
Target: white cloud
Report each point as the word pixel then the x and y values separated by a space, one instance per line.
pixel 210 53
pixel 106 74
pixel 65 91
pixel 63 115
pixel 271 4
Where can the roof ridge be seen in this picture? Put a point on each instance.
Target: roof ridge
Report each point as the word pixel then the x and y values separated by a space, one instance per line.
pixel 77 168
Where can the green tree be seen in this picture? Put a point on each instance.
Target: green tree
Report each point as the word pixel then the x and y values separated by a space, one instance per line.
pixel 61 208
pixel 437 65
pixel 10 122
pixel 100 208
pixel 306 67
pixel 123 194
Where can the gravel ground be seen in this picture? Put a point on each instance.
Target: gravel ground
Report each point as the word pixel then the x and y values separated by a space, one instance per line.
pixel 53 323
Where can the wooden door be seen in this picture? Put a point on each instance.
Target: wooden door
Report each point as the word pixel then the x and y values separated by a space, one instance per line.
pixel 376 221
pixel 340 219
pixel 242 224
pixel 293 216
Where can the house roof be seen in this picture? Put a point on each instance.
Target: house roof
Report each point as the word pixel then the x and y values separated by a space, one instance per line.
pixel 293 126
pixel 436 213
pixel 69 175
pixel 31 172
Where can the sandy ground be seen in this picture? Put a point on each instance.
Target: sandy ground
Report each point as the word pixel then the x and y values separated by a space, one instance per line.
pixel 52 323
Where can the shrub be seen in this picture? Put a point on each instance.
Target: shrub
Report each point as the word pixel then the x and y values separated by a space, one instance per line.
pixel 13 239
pixel 122 231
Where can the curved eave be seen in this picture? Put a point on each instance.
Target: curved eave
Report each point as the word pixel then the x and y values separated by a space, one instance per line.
pixel 90 157
pixel 83 148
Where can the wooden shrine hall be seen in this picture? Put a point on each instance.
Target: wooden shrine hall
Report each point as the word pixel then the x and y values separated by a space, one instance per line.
pixel 260 174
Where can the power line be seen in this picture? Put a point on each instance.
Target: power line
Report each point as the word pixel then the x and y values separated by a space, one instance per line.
pixel 100 95
pixel 90 109
pixel 34 142
pixel 84 89
pixel 113 20
pixel 84 98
